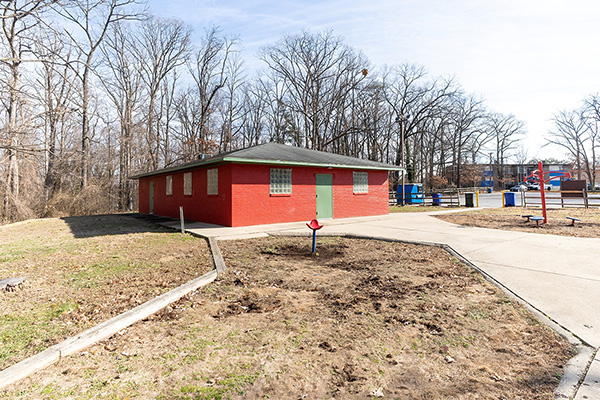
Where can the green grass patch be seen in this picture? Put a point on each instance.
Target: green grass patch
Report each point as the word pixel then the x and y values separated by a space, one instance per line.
pixel 18 333
pixel 90 276
pixel 234 384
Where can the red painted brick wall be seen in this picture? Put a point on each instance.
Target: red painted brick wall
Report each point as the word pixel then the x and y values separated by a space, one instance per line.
pixel 252 204
pixel 347 204
pixel 214 209
pixel 143 198
pixel 244 197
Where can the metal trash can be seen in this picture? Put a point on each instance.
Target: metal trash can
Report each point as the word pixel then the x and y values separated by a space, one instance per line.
pixel 436 199
pixel 489 190
pixel 469 199
pixel 509 199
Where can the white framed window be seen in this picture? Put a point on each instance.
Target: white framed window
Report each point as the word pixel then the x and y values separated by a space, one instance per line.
pixel 281 181
pixel 361 182
pixel 169 185
pixel 212 181
pixel 187 184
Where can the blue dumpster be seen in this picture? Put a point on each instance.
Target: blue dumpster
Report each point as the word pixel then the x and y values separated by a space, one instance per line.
pixel 489 190
pixel 413 193
pixel 436 199
pixel 509 199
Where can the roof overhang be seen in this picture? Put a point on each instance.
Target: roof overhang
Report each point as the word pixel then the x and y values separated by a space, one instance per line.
pixel 309 164
pixel 237 160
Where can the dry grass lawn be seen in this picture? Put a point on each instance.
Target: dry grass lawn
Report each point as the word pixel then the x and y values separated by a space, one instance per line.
pixel 509 218
pixel 81 271
pixel 360 320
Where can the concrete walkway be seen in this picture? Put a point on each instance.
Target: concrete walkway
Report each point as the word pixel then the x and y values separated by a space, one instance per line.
pixel 559 276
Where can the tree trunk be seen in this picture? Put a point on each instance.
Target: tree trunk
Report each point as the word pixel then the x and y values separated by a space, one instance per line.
pixel 85 130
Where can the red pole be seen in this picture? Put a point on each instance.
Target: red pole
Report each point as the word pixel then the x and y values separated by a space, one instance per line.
pixel 542 189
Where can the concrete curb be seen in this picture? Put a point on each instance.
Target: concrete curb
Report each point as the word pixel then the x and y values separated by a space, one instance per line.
pixel 576 368
pixel 108 328
pixel 216 253
pixel 99 332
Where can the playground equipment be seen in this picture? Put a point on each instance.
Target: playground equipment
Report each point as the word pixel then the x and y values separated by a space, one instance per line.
pixel 538 174
pixel 314 225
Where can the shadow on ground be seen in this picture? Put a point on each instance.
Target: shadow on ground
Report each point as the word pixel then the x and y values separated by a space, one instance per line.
pixel 114 224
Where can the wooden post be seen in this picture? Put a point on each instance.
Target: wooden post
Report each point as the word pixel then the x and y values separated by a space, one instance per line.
pixel 181 218
pixel 585 198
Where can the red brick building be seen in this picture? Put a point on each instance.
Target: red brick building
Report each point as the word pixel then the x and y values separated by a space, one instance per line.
pixel 268 183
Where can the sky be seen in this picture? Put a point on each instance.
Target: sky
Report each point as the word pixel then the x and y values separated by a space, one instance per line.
pixel 530 58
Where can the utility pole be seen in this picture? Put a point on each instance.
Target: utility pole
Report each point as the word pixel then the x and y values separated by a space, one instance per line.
pixel 491 173
pixel 401 119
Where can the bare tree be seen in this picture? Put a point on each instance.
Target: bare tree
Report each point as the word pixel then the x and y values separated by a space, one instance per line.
pixel 163 46
pixel 55 87
pixel 319 72
pixel 577 132
pixel 419 102
pixel 467 113
pixel 166 115
pixel 18 18
pixel 123 87
pixel 273 89
pixel 255 113
pixel 209 70
pixel 506 131
pixel 592 121
pixel 570 134
pixel 231 107
pixel 93 19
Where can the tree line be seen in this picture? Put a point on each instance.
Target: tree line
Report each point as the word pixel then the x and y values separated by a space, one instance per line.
pixel 577 131
pixel 96 91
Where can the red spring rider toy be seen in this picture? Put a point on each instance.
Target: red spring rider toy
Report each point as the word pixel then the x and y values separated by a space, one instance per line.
pixel 314 225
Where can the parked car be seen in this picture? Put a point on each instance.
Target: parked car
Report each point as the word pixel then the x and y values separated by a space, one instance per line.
pixel 519 187
pixel 536 186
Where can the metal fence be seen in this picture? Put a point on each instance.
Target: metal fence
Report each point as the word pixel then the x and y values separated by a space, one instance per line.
pixel 448 198
pixel 562 199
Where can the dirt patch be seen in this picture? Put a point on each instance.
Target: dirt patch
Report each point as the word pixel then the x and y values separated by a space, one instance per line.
pixel 362 319
pixel 84 270
pixel 510 219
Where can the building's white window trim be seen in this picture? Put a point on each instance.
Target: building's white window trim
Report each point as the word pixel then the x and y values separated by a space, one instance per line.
pixel 281 181
pixel 360 182
pixel 212 181
pixel 187 184
pixel 169 185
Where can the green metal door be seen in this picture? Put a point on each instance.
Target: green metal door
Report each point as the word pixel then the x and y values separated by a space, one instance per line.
pixel 151 194
pixel 324 196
